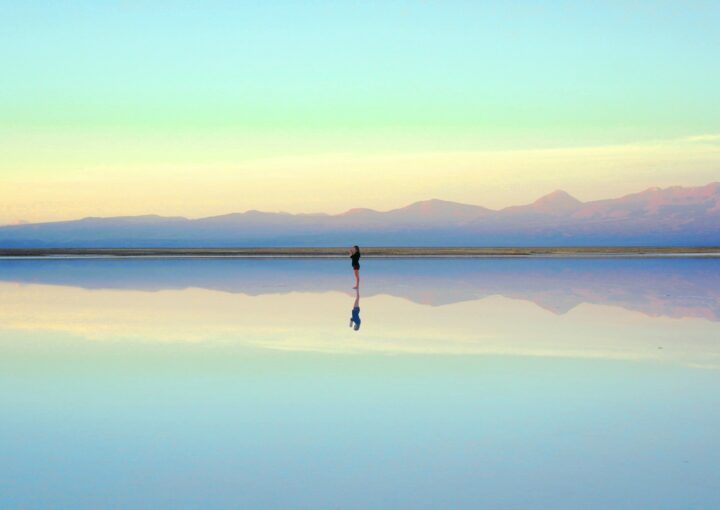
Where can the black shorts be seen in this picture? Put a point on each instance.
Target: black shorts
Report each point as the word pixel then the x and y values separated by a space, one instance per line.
pixel 356 267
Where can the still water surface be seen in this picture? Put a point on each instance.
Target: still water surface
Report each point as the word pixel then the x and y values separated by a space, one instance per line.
pixel 509 384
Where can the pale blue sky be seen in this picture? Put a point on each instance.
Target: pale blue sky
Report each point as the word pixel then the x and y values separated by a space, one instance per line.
pixel 93 88
pixel 554 71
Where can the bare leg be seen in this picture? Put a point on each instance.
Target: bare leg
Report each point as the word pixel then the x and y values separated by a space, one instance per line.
pixel 357 278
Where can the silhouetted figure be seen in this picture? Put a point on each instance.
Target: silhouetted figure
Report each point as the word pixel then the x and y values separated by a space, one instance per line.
pixel 355 318
pixel 355 256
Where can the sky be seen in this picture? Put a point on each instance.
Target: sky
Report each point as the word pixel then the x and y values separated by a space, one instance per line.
pixel 202 108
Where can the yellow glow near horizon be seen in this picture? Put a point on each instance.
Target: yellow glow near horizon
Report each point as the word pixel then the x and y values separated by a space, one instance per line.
pixel 181 185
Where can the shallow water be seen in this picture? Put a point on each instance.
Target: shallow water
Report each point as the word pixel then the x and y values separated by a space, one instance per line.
pixel 523 383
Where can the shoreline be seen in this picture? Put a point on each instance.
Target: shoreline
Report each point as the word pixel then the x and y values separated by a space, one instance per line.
pixel 371 252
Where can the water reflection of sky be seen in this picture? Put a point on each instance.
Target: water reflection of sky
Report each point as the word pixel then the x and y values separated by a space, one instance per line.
pixel 666 310
pixel 675 287
pixel 238 384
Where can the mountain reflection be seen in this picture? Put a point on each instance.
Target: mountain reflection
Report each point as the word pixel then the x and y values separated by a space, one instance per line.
pixel 678 288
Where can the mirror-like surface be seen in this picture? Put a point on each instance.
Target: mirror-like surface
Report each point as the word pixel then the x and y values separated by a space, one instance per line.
pixel 478 383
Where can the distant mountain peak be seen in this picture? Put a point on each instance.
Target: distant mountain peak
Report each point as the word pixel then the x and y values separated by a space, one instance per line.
pixel 557 198
pixel 435 201
pixel 656 196
pixel 358 210
pixel 436 205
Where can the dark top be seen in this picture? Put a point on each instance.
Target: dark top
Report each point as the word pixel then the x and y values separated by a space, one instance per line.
pixel 355 260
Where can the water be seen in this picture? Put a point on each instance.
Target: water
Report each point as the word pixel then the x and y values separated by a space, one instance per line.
pixel 510 384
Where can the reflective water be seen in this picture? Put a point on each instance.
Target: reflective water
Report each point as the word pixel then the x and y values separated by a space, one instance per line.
pixel 513 384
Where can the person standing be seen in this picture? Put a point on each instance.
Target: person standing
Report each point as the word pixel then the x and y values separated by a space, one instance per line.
pixel 355 256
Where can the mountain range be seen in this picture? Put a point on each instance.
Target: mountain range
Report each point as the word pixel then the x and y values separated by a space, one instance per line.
pixel 675 216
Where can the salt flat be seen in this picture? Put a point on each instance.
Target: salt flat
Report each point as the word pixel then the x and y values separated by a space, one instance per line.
pixel 471 382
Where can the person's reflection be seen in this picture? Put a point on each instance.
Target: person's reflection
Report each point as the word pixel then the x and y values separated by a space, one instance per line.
pixel 355 319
